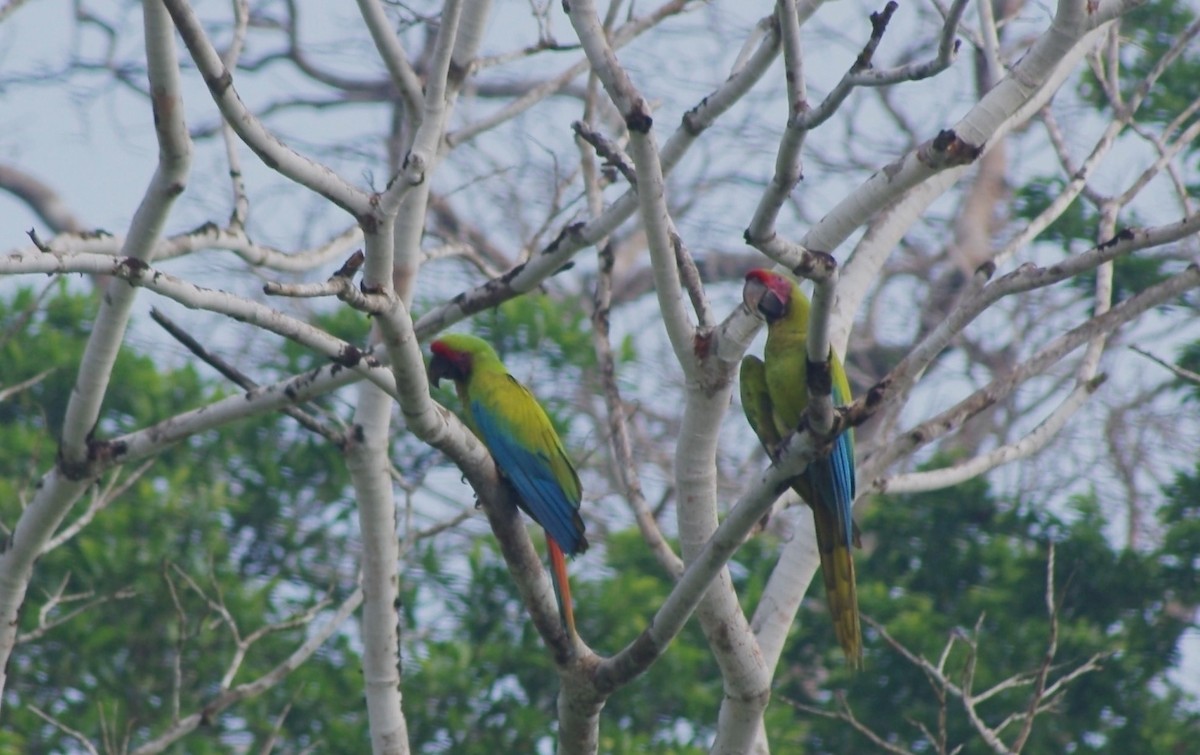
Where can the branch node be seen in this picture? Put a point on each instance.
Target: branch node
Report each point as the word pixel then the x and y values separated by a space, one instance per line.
pixel 37 241
pixel 639 121
pixel 351 266
pixel 220 83
pixel 820 378
pixel 948 150
pixel 879 24
pixel 816 266
pixel 1125 234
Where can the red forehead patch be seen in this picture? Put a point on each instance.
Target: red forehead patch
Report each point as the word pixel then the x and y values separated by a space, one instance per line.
pixel 775 283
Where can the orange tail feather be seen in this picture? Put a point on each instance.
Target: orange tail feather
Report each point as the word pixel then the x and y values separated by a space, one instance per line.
pixel 562 587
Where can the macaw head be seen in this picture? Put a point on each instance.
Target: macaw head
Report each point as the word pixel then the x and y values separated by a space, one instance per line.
pixel 455 356
pixel 767 293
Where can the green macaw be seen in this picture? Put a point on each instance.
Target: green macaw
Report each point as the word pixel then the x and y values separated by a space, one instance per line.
pixel 522 441
pixel 775 395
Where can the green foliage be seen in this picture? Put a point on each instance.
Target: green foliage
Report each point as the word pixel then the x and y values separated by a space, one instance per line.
pixel 486 685
pixel 1148 32
pixel 258 517
pixel 482 684
pixel 1181 543
pixel 47 336
pixel 557 331
pixel 1131 275
pixel 940 564
pixel 243 513
pixel 1076 223
pixel 683 688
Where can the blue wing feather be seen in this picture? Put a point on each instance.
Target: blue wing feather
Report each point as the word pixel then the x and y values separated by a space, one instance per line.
pixel 532 474
pixel 833 477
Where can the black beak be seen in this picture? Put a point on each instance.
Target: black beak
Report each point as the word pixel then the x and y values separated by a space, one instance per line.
pixel 439 368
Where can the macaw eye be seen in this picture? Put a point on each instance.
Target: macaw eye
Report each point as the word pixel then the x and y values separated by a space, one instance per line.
pixel 771 306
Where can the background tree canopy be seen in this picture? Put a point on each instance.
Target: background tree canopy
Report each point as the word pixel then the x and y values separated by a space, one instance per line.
pixel 237 518
pixel 955 564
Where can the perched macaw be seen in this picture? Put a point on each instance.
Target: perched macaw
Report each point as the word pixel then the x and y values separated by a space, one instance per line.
pixel 774 395
pixel 527 450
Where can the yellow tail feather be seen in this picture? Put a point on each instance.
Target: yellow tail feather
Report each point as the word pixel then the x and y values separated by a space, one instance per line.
pixel 837 569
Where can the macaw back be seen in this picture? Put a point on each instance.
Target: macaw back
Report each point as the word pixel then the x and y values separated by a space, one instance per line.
pixel 827 484
pixel 527 450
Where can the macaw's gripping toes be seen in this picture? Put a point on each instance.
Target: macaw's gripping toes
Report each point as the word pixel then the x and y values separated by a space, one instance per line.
pixel 527 450
pixel 774 394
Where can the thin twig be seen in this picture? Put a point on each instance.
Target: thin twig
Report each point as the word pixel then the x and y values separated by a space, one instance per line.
pixel 13 390
pixel 241 379
pixel 844 713
pixel 76 735
pixel 101 498
pixel 225 698
pixel 1179 372
pixel 269 744
pixel 618 435
pixel 1043 672
pixel 613 155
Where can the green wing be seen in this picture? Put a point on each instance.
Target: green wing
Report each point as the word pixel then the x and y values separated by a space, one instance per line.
pixel 756 402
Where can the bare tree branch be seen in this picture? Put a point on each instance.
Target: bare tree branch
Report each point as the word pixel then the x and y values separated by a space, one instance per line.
pixel 12 390
pixel 1176 370
pixel 45 202
pixel 267 146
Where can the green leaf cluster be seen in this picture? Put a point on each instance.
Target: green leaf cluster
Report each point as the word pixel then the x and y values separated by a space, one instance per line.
pixel 1078 223
pixel 259 516
pixel 1148 32
pixel 961 564
pixel 244 513
pixel 558 331
pixel 483 681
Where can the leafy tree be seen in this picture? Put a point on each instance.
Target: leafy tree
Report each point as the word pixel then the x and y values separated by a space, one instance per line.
pixel 995 203
pixel 125 629
pixel 962 572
